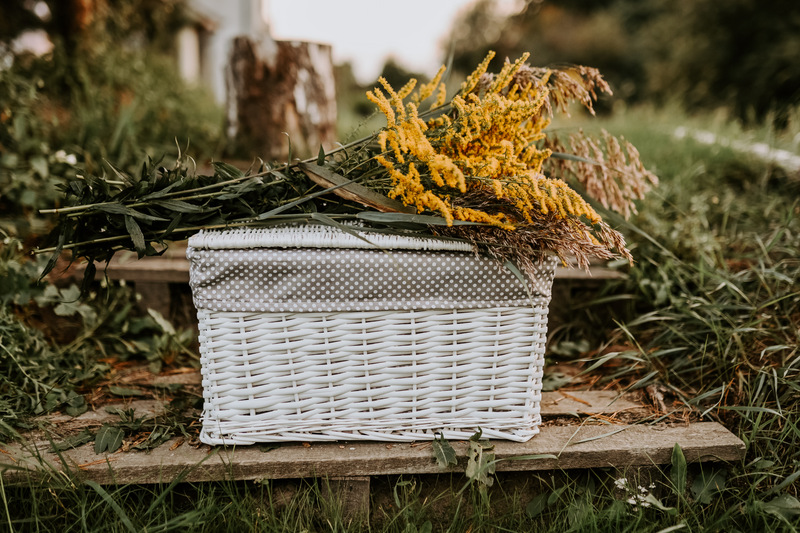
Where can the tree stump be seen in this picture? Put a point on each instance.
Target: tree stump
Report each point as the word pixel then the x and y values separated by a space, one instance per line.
pixel 280 92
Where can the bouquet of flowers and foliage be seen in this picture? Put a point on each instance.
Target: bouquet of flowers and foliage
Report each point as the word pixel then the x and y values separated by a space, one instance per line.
pixel 479 167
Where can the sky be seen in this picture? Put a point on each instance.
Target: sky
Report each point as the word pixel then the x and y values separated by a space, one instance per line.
pixel 366 32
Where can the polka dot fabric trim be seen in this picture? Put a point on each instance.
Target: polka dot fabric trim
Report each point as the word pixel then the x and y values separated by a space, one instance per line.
pixel 338 280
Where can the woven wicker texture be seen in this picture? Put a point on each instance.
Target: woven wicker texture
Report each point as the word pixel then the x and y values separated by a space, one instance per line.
pixel 371 375
pixel 396 374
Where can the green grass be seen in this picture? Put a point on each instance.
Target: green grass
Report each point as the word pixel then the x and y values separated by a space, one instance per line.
pixel 55 345
pixel 712 308
pixel 597 501
pixel 710 312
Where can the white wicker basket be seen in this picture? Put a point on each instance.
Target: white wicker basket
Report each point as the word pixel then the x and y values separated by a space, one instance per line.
pixel 365 369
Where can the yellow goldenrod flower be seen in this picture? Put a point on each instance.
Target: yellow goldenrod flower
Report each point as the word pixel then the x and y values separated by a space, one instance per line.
pixel 425 91
pixel 470 83
pixel 441 97
pixel 487 142
pixel 376 96
pixel 407 88
pixel 507 73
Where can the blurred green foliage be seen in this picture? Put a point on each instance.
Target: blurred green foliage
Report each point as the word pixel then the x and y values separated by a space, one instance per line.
pixel 89 23
pixel 740 54
pixel 108 91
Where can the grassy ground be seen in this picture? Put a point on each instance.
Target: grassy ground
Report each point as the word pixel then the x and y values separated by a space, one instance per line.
pixel 709 315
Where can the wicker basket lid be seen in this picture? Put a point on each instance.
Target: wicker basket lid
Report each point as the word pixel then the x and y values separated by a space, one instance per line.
pixel 319 236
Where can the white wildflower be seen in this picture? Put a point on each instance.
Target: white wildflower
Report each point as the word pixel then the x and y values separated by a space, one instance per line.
pixel 63 157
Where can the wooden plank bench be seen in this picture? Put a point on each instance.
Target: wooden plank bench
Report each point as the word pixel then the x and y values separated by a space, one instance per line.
pixel 602 429
pixel 173 267
pixel 580 430
pixel 574 447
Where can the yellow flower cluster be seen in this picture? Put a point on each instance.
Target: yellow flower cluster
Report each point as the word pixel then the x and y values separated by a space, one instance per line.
pixel 487 141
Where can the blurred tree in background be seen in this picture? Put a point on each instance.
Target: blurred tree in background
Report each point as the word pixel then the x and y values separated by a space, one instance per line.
pixel 743 53
pixel 739 54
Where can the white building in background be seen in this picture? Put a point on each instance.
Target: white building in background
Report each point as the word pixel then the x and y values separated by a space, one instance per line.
pixel 203 46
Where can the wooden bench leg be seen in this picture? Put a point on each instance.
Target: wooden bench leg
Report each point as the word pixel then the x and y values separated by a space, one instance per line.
pixel 352 493
pixel 155 296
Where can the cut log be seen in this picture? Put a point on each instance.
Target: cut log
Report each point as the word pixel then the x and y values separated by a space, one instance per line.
pixel 278 89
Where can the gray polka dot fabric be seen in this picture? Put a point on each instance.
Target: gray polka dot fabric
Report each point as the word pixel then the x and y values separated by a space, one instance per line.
pixel 328 279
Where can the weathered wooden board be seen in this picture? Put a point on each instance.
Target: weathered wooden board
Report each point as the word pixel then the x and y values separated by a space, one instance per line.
pixel 594 273
pixel 572 403
pixel 589 403
pixel 173 267
pixel 586 446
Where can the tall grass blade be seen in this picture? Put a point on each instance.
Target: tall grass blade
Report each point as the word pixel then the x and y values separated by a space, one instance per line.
pixel 114 505
pixel 677 527
pixel 5 503
pixel 751 409
pixel 790 479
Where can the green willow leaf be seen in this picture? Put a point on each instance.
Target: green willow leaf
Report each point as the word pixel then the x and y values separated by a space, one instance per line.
pixel 179 206
pixel 121 174
pixel 117 208
pixel 226 171
pixel 162 192
pixel 51 263
pixel 352 191
pixel 137 237
pixel 319 217
pixel 89 274
pixel 514 269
